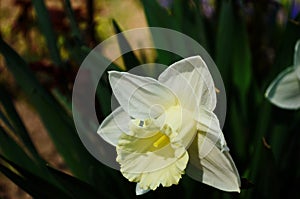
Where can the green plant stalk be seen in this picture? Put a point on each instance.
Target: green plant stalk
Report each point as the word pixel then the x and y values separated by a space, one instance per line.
pixel 57 122
pixel 47 30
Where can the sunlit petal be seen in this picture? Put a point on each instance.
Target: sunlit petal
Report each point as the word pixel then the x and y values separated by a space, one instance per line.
pixel 298 72
pixel 114 125
pixel 163 119
pixel 297 59
pixel 284 91
pixel 192 82
pixel 139 190
pixel 297 54
pixel 141 97
pixel 209 124
pixel 217 169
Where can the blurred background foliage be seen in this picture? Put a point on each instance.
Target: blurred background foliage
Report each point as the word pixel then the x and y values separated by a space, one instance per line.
pixel 43 43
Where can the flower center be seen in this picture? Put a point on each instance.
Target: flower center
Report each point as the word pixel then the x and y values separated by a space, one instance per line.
pixel 163 140
pixel 172 117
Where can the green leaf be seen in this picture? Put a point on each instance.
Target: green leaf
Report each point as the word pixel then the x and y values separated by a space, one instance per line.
pixel 262 123
pixel 58 123
pixel 177 12
pixel 103 92
pixel 12 151
pixel 63 100
pixel 31 183
pixel 5 121
pixel 24 153
pixel 285 53
pixel 190 19
pixel 159 17
pixel 241 60
pixel 278 135
pixel 225 36
pixel 70 13
pixel 47 30
pixel 264 173
pixel 238 130
pixel 129 58
pixel 15 122
pixel 77 188
pixel 18 154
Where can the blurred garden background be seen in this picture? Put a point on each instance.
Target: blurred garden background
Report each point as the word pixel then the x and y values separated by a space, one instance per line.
pixel 43 43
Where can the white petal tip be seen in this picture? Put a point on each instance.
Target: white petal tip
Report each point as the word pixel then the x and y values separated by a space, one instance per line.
pixel 224 149
pixel 99 132
pixel 235 189
pixel 284 90
pixel 110 71
pixel 238 190
pixel 297 46
pixel 285 106
pixel 113 73
pixel 139 191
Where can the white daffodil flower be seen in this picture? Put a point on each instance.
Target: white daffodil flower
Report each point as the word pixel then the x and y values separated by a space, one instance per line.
pixel 167 127
pixel 284 91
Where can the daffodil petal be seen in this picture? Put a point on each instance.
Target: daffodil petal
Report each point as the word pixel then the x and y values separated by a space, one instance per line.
pixel 192 82
pixel 139 190
pixel 209 123
pixel 114 125
pixel 142 162
pixel 165 176
pixel 297 59
pixel 138 155
pixel 187 130
pixel 284 91
pixel 217 169
pixel 298 72
pixel 297 54
pixel 179 120
pixel 141 97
